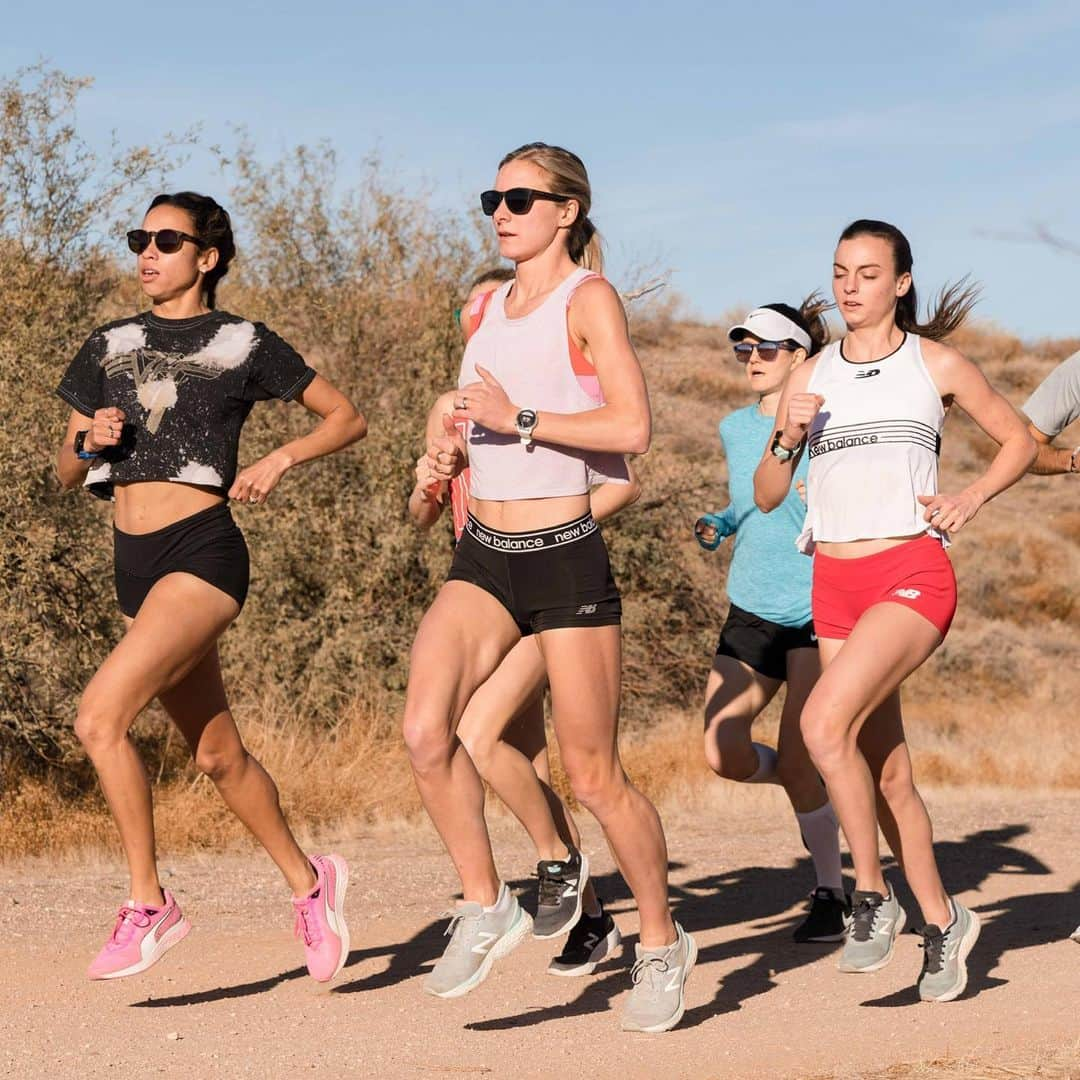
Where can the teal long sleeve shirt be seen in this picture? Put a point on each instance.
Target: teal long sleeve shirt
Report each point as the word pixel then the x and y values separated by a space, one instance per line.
pixel 768 575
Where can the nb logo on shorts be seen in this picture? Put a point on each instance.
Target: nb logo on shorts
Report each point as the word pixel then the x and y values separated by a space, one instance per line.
pixel 586 609
pixel 908 594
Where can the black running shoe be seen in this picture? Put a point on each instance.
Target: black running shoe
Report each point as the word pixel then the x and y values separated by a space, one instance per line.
pixel 561 884
pixel 592 941
pixel 827 919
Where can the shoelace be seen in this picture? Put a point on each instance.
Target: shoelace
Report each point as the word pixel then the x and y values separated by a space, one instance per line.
pixel 127 920
pixel 457 919
pixel 649 966
pixel 863 914
pixel 933 946
pixel 306 925
pixel 553 883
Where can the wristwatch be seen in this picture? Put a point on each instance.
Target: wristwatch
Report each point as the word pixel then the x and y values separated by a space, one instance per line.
pixel 781 452
pixel 79 444
pixel 524 423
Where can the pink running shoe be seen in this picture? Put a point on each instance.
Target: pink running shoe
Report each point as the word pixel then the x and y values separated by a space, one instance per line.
pixel 141 937
pixel 320 918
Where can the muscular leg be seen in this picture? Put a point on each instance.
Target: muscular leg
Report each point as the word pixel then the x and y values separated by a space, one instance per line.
pixel 461 641
pixel 181 618
pixel 734 695
pixel 794 769
pixel 514 690
pixel 198 706
pixel 584 669
pixel 903 815
pixel 886 645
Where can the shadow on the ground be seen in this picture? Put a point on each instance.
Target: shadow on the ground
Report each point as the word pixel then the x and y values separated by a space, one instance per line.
pixel 724 900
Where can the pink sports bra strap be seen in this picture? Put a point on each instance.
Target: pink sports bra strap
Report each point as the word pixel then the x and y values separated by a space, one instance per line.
pixel 476 312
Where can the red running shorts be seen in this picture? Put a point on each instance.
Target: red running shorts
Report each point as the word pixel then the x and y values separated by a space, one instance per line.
pixel 917 574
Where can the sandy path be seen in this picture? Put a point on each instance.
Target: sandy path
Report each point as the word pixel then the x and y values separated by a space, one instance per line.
pixel 758 1005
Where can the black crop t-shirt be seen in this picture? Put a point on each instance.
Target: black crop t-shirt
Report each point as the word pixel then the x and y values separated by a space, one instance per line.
pixel 186 387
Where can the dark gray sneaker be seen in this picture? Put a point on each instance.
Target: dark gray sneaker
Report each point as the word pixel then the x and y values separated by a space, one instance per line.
pixel 657 1001
pixel 945 953
pixel 876 922
pixel 592 941
pixel 558 907
pixel 477 939
pixel 827 919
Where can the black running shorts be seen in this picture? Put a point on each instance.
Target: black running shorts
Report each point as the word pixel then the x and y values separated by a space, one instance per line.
pixel 546 580
pixel 761 644
pixel 208 544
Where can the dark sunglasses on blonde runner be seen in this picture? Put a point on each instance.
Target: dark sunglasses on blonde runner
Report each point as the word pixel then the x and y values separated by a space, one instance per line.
pixel 766 350
pixel 518 200
pixel 167 241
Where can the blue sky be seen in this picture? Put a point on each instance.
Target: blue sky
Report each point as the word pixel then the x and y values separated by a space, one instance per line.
pixel 728 142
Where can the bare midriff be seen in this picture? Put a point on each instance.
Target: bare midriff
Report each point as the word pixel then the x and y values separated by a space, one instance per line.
pixel 856 549
pixel 529 515
pixel 150 505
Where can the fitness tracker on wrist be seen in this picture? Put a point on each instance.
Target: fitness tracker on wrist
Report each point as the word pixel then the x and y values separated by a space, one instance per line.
pixel 524 423
pixel 79 445
pixel 781 452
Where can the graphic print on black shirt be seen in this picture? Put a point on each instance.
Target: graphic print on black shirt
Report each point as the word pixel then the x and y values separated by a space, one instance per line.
pixel 186 387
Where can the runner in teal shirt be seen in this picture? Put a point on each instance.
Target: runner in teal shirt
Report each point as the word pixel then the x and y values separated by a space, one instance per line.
pixel 768 637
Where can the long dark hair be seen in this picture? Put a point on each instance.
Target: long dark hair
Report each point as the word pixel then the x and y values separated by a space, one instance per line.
pixel 212 226
pixel 809 316
pixel 952 305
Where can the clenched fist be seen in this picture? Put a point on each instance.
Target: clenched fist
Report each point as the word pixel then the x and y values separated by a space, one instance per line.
pixel 802 408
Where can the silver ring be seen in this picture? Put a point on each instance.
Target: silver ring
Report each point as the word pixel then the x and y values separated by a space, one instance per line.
pixel 252 499
pixel 464 402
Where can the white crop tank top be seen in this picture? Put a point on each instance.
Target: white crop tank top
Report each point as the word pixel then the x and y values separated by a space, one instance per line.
pixel 531 358
pixel 873 447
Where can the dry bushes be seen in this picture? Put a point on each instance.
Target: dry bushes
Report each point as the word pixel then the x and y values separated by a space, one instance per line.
pixel 364 280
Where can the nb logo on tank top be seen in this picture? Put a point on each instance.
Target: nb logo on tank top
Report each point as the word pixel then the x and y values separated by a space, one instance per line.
pixel 868 374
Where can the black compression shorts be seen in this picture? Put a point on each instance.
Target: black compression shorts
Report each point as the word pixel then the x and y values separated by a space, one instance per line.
pixel 208 545
pixel 761 644
pixel 546 580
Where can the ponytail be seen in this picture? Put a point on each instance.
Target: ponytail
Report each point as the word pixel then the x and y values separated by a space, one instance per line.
pixel 952 305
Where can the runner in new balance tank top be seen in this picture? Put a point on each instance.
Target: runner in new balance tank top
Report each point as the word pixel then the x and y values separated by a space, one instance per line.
pixel 542 422
pixel 869 412
pixel 503 725
pixel 768 638
pixel 158 402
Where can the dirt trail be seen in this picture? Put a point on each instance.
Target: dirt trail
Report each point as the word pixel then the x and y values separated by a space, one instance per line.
pixel 232 1000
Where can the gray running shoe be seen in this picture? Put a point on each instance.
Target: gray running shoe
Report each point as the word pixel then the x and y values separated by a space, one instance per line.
pixel 558 907
pixel 657 1003
pixel 477 939
pixel 876 922
pixel 945 953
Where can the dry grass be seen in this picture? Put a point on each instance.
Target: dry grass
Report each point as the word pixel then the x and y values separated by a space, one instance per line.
pixel 1061 1063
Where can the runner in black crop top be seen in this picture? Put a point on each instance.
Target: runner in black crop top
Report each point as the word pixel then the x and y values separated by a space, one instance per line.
pixel 158 401
pixel 185 387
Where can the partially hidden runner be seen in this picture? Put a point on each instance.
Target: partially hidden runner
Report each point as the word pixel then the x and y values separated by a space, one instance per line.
pixel 868 411
pixel 158 401
pixel 503 725
pixel 544 418
pixel 768 637
pixel 1053 406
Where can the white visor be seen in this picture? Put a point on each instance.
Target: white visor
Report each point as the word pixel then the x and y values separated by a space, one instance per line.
pixel 768 325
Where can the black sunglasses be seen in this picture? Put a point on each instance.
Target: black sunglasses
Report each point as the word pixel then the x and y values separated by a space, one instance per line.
pixel 168 241
pixel 767 350
pixel 519 200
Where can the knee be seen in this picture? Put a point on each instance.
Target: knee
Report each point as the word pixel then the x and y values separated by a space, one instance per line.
pixel 596 786
pixel 220 764
pixel 826 740
pixel 429 743
pixel 479 745
pixel 896 784
pixel 727 754
pixel 97 728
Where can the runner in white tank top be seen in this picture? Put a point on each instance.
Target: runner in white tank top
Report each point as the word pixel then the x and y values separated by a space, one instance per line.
pixel 532 562
pixel 870 411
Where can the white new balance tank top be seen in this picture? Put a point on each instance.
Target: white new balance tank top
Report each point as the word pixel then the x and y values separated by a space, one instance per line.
pixel 873 447
pixel 532 360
